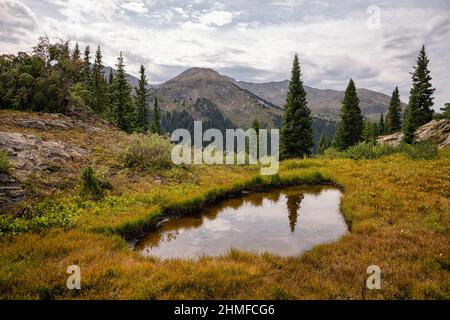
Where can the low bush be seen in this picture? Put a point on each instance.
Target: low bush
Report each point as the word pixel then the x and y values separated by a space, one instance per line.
pixel 92 184
pixel 366 150
pixel 147 153
pixel 6 164
pixel 421 151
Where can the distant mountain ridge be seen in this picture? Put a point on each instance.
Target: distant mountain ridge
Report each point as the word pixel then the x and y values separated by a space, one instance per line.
pixel 325 102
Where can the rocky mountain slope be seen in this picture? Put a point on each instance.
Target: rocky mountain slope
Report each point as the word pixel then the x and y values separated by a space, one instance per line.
pixel 321 102
pixel 436 131
pixel 237 104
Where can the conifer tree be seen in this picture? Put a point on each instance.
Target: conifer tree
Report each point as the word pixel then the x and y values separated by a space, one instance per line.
pixel 122 104
pixel 141 102
pixel 76 53
pixel 86 76
pixel 322 144
pixel 99 90
pixel 411 122
pixel 381 126
pixel 393 121
pixel 256 125
pixel 446 110
pixel 368 133
pixel 350 126
pixel 423 88
pixel 156 119
pixel 296 131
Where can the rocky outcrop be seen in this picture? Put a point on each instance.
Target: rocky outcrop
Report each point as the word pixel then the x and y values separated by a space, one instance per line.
pixel 436 131
pixel 31 154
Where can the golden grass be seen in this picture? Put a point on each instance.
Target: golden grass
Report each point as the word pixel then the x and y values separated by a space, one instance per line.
pixel 398 210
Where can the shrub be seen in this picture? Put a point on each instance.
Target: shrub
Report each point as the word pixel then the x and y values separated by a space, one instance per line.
pixel 5 162
pixel 148 153
pixel 421 151
pixel 332 153
pixel 369 150
pixel 92 184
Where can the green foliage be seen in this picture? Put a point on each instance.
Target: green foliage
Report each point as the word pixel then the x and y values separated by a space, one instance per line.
pixel 141 102
pixel 323 144
pixel 6 164
pixel 370 131
pixel 369 151
pixel 350 127
pixel 92 185
pixel 421 151
pixel 122 103
pixel 46 214
pixel 421 80
pixel 446 110
pixel 296 130
pixel 393 121
pixel 156 119
pixel 147 153
pixel 381 126
pixel 420 104
pixel 99 89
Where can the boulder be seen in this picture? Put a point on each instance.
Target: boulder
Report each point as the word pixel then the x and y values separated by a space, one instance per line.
pixel 436 131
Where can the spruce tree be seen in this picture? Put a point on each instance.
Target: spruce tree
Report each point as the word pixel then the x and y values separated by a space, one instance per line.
pixel 256 125
pixel 322 144
pixel 122 102
pixel 76 53
pixel 381 126
pixel 296 138
pixel 411 122
pixel 350 126
pixel 393 121
pixel 156 119
pixel 446 110
pixel 99 89
pixel 368 131
pixel 141 102
pixel 86 73
pixel 421 80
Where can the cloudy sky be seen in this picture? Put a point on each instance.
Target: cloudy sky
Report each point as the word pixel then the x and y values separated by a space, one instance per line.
pixel 374 42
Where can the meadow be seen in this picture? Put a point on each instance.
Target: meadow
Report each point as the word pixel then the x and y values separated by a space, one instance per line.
pixel 397 208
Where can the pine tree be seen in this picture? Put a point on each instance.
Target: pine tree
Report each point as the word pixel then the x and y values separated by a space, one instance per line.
pixel 122 102
pixel 256 125
pixel 156 119
pixel 393 121
pixel 296 130
pixel 322 144
pixel 76 53
pixel 141 102
pixel 368 131
pixel 423 88
pixel 411 122
pixel 350 127
pixel 446 110
pixel 381 126
pixel 99 84
pixel 86 73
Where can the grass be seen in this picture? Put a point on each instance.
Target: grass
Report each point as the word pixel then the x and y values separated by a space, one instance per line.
pixel 398 209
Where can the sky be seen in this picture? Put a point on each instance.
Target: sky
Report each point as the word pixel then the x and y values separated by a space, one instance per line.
pixel 373 42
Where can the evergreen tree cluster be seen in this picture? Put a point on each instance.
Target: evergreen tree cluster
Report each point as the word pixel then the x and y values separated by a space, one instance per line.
pixel 56 78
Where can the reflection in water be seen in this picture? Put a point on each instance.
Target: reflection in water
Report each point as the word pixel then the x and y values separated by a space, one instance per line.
pixel 293 205
pixel 285 222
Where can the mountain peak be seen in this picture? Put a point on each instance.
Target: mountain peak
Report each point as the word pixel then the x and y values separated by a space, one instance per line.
pixel 196 73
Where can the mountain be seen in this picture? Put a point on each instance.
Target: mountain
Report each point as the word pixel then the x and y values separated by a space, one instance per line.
pixel 323 102
pixel 237 104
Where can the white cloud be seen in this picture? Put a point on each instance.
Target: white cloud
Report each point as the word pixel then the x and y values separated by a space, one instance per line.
pixel 136 7
pixel 216 17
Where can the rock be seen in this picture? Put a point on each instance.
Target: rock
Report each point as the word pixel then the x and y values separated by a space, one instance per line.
pixel 436 131
pixel 31 154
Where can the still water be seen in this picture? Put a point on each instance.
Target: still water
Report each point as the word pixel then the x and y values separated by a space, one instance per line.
pixel 285 222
